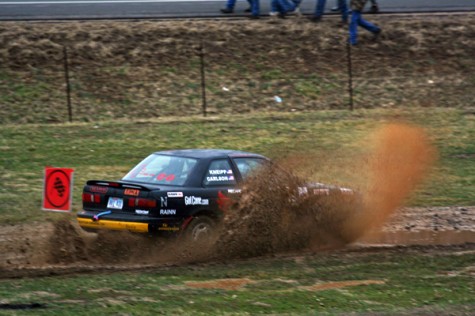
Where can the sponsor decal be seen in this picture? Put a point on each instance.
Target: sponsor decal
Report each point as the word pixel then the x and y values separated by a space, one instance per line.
pixel 98 189
pixel 163 201
pixel 224 202
pixel 132 192
pixel 165 227
pixel 167 212
pixel 164 176
pixel 141 212
pixel 169 228
pixel 220 172
pixel 321 191
pixel 195 200
pixel 346 191
pixel 175 194
pixel 219 178
pixel 303 191
pixel 144 173
pixel 234 191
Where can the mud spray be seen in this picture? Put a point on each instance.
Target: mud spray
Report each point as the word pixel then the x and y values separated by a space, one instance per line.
pixel 272 216
pixel 400 158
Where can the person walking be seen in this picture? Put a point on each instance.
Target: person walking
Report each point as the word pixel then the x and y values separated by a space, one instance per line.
pixel 282 8
pixel 320 8
pixel 373 9
pixel 253 8
pixel 357 20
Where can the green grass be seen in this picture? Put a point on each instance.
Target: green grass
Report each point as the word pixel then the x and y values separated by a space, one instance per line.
pixel 108 149
pixel 410 281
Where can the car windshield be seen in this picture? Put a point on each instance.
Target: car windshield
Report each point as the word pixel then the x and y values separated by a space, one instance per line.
pixel 162 169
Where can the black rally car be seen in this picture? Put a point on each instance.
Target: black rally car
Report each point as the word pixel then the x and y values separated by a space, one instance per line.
pixel 176 191
pixel 169 191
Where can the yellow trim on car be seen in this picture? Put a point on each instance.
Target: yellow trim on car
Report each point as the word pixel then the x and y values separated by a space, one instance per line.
pixel 115 225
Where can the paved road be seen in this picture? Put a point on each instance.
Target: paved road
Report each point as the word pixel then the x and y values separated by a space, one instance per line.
pixel 126 9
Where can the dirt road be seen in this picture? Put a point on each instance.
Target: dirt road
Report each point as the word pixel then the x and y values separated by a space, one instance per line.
pixel 37 249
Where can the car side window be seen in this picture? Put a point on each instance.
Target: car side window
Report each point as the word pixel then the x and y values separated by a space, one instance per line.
pixel 247 165
pixel 219 173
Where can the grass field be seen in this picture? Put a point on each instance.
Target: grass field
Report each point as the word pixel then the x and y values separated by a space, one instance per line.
pixel 324 145
pixel 328 140
pixel 400 281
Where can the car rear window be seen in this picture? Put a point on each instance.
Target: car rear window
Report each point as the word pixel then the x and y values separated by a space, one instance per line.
pixel 162 169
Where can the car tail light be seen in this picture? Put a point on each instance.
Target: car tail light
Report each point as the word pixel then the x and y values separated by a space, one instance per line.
pixel 150 203
pixel 89 197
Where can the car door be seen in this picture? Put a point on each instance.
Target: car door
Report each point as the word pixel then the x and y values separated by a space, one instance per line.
pixel 219 183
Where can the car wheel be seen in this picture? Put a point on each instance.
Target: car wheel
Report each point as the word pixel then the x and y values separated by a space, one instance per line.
pixel 200 229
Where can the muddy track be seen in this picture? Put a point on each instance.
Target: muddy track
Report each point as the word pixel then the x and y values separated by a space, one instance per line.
pixel 47 249
pixel 350 251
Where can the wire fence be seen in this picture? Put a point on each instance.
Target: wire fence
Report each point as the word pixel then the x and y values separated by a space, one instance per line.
pixel 201 82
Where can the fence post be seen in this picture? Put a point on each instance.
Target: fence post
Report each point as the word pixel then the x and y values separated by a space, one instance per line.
pixel 203 78
pixel 350 74
pixel 68 85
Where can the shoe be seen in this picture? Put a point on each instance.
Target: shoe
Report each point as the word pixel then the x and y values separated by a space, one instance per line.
pixel 226 10
pixel 343 24
pixel 248 10
pixel 316 19
pixel 273 13
pixel 374 9
pixel 376 35
pixel 296 12
pixel 334 9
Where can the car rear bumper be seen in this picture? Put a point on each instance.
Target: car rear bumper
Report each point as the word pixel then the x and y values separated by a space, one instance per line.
pixel 137 224
pixel 113 225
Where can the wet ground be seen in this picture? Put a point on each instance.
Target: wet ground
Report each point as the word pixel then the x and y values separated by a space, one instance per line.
pixel 36 249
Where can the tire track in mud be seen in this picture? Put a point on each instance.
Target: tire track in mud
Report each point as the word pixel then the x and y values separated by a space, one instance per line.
pixel 75 251
pixel 25 244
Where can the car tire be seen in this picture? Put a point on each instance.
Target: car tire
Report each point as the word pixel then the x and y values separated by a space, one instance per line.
pixel 201 229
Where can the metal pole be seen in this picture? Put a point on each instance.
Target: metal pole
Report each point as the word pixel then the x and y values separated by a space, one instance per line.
pixel 350 75
pixel 68 85
pixel 203 78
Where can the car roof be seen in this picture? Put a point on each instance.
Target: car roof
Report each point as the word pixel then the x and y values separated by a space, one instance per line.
pixel 207 153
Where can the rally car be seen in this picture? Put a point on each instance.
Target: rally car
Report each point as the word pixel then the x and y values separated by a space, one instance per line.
pixel 172 191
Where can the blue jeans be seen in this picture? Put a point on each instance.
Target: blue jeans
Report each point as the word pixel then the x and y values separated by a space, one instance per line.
pixel 342 6
pixel 231 3
pixel 254 7
pixel 357 20
pixel 283 6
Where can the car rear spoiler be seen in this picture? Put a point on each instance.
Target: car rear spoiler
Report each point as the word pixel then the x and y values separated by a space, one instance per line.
pixel 115 184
